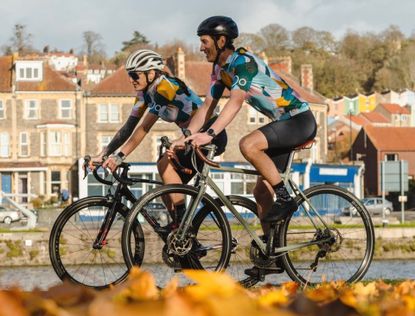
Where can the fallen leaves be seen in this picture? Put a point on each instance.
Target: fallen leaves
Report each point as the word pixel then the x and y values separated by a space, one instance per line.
pixel 212 294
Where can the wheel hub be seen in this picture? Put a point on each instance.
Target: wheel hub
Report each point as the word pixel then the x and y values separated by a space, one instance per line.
pixel 179 247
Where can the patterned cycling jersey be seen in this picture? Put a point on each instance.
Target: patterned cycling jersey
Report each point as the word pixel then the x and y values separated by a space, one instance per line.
pixel 169 99
pixel 266 91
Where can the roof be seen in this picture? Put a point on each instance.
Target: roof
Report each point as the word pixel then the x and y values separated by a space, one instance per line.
pixel 385 138
pixel 374 117
pixel 5 74
pixel 116 84
pixel 394 108
pixel 52 81
pixel 198 77
pixel 305 94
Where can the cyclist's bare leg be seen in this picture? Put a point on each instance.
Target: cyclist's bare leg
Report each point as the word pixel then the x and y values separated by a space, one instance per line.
pixel 252 147
pixel 169 176
pixel 264 197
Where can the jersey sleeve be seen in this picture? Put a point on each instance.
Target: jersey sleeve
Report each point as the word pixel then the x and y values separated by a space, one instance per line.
pixel 164 95
pixel 139 106
pixel 245 69
pixel 216 87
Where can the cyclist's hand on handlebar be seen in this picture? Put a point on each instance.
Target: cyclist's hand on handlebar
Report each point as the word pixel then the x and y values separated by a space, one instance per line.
pixel 112 162
pixel 199 139
pixel 94 161
pixel 176 143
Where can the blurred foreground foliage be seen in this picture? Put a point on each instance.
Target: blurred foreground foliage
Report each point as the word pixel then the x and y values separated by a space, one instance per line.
pixel 212 294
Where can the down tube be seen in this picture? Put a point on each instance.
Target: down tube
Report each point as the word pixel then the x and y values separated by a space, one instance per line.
pixel 238 216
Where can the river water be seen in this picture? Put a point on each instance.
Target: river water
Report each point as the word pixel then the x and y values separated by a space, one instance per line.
pixel 44 277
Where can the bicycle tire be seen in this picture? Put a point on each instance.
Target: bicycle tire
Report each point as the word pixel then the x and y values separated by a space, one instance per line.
pixel 350 255
pixel 156 260
pixel 71 239
pixel 241 241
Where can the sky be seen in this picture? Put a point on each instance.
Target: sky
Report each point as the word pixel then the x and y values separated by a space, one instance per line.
pixel 60 24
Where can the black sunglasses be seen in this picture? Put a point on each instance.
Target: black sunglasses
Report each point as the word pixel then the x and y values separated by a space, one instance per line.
pixel 134 75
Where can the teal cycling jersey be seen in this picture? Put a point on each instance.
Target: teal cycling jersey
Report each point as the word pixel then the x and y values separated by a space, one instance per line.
pixel 266 91
pixel 169 99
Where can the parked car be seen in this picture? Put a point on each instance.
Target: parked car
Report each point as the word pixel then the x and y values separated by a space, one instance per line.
pixel 8 215
pixel 158 211
pixel 373 205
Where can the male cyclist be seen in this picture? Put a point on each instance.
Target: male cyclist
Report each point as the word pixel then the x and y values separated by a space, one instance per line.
pixel 249 79
pixel 167 98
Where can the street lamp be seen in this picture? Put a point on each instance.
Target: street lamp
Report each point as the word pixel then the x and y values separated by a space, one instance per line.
pixel 351 138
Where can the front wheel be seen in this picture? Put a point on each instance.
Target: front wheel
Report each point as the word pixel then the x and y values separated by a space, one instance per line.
pixel 71 249
pixel 205 246
pixel 344 247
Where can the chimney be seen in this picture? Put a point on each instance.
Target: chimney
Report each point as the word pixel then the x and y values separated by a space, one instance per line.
pixel 180 66
pixel 307 77
pixel 85 61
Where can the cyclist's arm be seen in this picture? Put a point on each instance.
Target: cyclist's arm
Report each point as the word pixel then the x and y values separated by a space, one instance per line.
pixel 139 134
pixel 229 111
pixel 127 129
pixel 121 136
pixel 203 114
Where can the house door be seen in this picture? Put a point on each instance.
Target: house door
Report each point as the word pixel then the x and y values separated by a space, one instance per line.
pixel 22 188
pixel 6 182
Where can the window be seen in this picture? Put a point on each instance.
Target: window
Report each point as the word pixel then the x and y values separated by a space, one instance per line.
pixel 108 113
pixel 4 145
pixel 55 182
pixel 255 117
pixel 55 143
pixel 391 157
pixel 29 70
pixel 2 111
pixel 242 184
pixel 65 109
pixel 24 144
pixel 31 110
pixel 59 144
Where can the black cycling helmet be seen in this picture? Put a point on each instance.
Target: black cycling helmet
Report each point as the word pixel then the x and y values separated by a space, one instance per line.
pixel 218 25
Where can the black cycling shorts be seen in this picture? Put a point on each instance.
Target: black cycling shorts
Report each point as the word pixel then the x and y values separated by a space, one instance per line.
pixel 284 136
pixel 186 160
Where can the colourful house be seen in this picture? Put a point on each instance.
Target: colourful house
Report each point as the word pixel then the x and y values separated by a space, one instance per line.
pixel 351 105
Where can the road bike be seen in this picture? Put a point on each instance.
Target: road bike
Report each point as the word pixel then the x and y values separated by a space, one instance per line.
pixel 85 240
pixel 317 243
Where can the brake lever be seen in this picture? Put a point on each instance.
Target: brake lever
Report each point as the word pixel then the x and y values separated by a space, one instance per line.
pixel 85 165
pixel 187 147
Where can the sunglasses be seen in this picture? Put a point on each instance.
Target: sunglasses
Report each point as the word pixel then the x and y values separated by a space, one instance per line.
pixel 134 75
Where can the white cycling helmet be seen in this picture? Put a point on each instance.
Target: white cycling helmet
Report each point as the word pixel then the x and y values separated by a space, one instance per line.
pixel 144 60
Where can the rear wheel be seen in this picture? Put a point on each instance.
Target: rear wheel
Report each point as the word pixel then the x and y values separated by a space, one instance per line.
pixel 71 244
pixel 346 245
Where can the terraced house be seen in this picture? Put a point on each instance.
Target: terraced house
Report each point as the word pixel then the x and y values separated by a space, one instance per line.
pixel 48 123
pixel 39 114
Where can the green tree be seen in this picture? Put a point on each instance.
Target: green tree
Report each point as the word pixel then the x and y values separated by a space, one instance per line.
pixel 138 41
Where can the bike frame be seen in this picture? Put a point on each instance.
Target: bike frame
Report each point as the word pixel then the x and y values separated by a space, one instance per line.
pixel 205 181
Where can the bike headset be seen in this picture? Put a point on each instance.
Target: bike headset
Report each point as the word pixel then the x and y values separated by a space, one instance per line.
pixel 144 60
pixel 216 26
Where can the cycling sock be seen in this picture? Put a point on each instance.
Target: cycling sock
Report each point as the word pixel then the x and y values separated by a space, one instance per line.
pixel 179 213
pixel 281 192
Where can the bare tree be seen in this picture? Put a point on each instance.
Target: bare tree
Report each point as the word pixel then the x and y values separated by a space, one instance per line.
pixel 20 41
pixel 93 46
